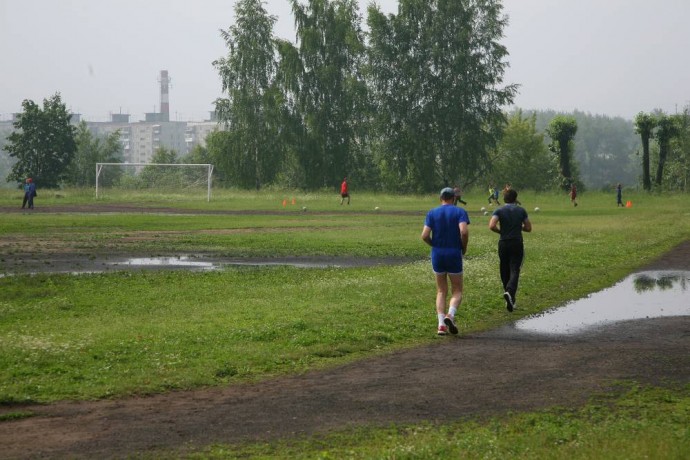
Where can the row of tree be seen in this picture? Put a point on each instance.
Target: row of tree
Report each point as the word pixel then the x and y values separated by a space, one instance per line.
pixel 413 104
pixel 533 152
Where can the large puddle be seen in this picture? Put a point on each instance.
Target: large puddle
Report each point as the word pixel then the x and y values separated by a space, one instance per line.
pixel 194 263
pixel 76 265
pixel 649 294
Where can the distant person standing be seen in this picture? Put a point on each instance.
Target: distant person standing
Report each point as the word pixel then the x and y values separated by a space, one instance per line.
pixel 509 221
pixel 445 230
pixel 458 196
pixel 344 192
pixel 29 193
pixel 573 195
pixel 619 195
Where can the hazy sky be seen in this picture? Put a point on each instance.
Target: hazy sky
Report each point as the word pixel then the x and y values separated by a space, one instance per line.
pixel 611 57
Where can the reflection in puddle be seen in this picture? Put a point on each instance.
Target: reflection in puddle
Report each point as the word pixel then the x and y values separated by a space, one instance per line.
pixel 650 294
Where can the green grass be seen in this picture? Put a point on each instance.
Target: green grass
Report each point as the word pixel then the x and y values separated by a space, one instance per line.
pixel 221 199
pixel 111 335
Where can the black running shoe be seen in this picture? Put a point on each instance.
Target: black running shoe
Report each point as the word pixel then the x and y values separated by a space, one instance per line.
pixel 448 321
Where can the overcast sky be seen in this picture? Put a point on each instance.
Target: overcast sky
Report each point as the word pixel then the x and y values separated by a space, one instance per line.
pixel 609 57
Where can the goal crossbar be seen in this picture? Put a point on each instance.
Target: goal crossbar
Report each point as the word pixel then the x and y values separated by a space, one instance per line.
pixel 209 169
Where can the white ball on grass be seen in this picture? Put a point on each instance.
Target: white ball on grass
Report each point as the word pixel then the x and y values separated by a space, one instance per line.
pixel 376 208
pixel 486 213
pixel 536 209
pixel 483 209
pixel 304 208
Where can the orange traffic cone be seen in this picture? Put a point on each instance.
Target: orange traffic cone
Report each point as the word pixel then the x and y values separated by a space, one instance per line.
pixel 628 204
pixel 284 203
pixel 293 201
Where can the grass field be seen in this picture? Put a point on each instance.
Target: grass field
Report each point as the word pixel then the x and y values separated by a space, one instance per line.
pixel 112 335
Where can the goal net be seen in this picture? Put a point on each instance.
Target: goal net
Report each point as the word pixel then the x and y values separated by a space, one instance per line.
pixel 161 178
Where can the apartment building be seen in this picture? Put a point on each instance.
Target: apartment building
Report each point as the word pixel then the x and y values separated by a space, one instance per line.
pixel 140 140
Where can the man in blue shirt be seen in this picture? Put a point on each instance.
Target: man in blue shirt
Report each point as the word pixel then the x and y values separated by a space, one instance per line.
pixel 29 193
pixel 510 220
pixel 445 230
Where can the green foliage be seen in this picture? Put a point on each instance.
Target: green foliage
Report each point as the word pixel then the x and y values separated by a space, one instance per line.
pixel 562 130
pixel 522 158
pixel 198 155
pixel 167 177
pixel 418 107
pixel 252 111
pixel 677 171
pixel 329 90
pixel 437 67
pixel 219 145
pixel 671 151
pixel 668 128
pixel 43 142
pixel 92 150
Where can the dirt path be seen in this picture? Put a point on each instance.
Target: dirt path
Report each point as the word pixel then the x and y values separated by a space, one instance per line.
pixel 472 375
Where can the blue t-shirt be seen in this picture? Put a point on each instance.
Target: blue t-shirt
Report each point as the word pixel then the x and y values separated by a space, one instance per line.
pixel 511 217
pixel 444 223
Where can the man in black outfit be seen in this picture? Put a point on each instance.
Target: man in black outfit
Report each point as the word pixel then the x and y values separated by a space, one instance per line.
pixel 510 220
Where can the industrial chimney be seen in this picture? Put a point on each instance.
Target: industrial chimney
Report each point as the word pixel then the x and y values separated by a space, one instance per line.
pixel 165 102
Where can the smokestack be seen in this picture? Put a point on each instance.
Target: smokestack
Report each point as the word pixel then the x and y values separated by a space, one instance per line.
pixel 165 102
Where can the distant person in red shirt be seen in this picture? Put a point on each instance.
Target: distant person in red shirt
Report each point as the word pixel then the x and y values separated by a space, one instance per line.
pixel 344 192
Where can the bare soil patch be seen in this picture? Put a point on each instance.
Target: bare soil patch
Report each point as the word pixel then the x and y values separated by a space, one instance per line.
pixel 470 375
pixel 62 253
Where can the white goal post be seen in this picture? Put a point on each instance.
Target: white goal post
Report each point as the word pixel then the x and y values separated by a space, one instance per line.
pixel 209 169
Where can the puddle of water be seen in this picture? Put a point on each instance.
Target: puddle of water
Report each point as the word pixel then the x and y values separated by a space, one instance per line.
pixel 188 262
pixel 650 294
pixel 170 262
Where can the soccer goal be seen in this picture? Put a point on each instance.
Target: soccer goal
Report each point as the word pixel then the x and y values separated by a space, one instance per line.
pixel 177 177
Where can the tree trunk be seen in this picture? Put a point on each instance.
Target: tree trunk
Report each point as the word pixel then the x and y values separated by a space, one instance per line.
pixel 663 150
pixel 564 145
pixel 646 180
